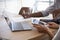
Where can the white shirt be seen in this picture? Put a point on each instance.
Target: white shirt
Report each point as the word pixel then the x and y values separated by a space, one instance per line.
pixel 55 6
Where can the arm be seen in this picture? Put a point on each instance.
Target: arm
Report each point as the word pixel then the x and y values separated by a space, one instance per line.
pixel 37 14
pixel 50 33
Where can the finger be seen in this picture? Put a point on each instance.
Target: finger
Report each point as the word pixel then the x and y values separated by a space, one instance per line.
pixel 51 23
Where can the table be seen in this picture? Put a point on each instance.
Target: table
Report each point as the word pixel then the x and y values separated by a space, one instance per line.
pixel 5 32
pixel 21 35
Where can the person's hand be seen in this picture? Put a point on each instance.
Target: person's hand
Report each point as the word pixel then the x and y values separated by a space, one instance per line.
pixel 40 27
pixel 53 25
pixel 26 15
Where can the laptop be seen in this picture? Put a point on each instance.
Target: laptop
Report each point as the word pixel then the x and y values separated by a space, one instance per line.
pixel 21 25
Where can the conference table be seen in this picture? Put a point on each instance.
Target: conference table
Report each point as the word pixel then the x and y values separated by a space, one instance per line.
pixel 6 33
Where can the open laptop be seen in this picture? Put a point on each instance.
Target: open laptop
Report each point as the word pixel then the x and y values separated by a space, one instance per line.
pixel 18 23
pixel 21 25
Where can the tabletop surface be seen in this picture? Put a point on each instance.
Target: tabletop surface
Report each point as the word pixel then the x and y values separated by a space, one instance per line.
pixel 5 32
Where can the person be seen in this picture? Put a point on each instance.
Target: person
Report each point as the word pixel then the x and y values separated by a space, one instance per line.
pixel 40 27
pixel 55 10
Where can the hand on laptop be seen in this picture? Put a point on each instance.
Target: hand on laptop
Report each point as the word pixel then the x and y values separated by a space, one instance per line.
pixel 26 15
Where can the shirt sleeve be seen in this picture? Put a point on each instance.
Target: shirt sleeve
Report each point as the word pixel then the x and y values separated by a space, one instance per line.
pixel 45 13
pixel 48 10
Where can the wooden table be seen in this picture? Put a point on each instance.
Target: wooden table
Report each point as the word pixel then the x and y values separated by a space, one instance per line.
pixel 5 32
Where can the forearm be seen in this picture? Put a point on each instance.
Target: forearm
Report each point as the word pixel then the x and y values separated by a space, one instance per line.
pixel 37 14
pixel 50 34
